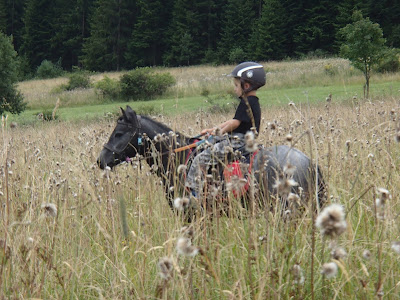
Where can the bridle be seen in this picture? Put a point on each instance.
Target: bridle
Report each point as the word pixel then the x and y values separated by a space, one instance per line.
pixel 133 131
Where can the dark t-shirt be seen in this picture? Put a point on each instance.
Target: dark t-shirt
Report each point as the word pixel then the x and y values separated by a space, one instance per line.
pixel 244 114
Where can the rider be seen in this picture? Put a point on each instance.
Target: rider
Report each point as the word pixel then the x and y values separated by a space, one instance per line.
pixel 229 136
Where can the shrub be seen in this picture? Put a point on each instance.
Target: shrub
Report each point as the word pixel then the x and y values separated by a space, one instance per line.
pixel 143 84
pixel 389 62
pixel 108 88
pixel 78 80
pixel 49 70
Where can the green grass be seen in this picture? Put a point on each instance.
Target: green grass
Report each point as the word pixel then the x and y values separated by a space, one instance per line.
pixel 268 97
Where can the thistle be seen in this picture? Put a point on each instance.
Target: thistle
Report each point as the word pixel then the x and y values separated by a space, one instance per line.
pixel 50 209
pixel 331 221
pixel 329 270
pixel 181 203
pixel 166 268
pixel 184 247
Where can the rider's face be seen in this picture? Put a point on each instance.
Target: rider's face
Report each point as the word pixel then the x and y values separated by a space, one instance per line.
pixel 238 87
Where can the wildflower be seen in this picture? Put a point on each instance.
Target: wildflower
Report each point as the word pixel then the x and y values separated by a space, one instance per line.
pixel 289 169
pixel 166 268
pixel 251 144
pixel 283 185
pixel 331 221
pixel 184 247
pixel 187 231
pixel 181 203
pixel 396 247
pixel 383 194
pixel 338 253
pixel 293 198
pixel 181 169
pixel 158 138
pixel 298 274
pixel 366 254
pixel 329 270
pixel 50 209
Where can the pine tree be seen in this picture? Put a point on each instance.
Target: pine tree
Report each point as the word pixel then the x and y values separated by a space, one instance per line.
pixel 145 44
pixel 184 35
pixel 110 29
pixel 70 30
pixel 10 99
pixel 387 14
pixel 38 31
pixel 268 43
pixel 238 24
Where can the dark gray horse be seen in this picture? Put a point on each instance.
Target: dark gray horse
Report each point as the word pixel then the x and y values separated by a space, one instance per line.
pixel 277 170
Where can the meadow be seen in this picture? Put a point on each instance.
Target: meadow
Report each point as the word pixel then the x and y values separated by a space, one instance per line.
pixel 72 231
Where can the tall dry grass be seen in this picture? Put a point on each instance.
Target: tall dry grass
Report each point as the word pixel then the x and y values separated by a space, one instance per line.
pixel 70 230
pixel 207 79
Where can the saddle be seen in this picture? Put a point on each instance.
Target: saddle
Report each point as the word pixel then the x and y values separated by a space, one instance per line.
pixel 236 178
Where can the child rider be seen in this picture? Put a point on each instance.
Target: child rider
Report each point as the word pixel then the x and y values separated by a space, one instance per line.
pixel 248 78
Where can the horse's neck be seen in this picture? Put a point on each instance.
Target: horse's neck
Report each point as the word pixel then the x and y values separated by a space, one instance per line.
pixel 152 128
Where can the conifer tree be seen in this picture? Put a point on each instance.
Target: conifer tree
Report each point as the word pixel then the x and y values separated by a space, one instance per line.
pixel 237 27
pixel 145 43
pixel 10 99
pixel 38 33
pixel 268 36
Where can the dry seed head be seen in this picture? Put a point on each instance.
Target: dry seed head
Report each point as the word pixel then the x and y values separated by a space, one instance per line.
pixel 50 209
pixel 329 270
pixel 181 169
pixel 187 231
pixel 338 253
pixel 289 169
pixel 166 268
pixel 366 254
pixel 181 203
pixel 298 274
pixel 283 185
pixel 396 247
pixel 331 221
pixel 184 247
pixel 383 194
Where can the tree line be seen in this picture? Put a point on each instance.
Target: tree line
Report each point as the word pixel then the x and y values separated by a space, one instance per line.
pixel 108 35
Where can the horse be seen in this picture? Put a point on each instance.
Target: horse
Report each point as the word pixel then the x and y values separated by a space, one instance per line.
pixel 278 170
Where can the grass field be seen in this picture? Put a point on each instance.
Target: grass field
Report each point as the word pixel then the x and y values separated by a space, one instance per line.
pixel 72 231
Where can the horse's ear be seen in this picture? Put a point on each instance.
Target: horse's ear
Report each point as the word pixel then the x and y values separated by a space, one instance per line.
pixel 123 114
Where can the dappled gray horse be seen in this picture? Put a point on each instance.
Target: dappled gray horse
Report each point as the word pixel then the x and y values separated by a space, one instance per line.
pixel 278 171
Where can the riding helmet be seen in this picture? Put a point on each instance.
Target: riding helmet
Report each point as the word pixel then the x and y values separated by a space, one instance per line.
pixel 250 72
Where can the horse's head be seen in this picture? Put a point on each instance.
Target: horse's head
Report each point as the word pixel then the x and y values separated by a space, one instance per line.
pixel 124 141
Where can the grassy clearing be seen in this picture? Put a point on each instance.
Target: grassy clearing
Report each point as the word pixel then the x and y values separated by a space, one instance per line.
pixel 82 251
pixel 205 87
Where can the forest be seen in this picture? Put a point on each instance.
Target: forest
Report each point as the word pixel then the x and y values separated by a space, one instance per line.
pixel 113 35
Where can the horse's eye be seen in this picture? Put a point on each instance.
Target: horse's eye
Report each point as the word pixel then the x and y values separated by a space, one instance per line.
pixel 118 135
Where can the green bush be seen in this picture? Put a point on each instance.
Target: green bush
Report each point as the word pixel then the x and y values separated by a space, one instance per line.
pixel 390 61
pixel 78 80
pixel 144 84
pixel 49 70
pixel 108 88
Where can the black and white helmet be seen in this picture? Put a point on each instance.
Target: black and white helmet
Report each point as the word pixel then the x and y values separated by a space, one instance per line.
pixel 250 72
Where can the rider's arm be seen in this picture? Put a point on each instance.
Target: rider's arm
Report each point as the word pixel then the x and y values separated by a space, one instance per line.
pixel 225 127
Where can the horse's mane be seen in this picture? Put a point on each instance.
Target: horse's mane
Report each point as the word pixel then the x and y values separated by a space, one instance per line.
pixel 163 128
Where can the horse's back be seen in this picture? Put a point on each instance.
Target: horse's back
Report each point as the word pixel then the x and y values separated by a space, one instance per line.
pixel 274 161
